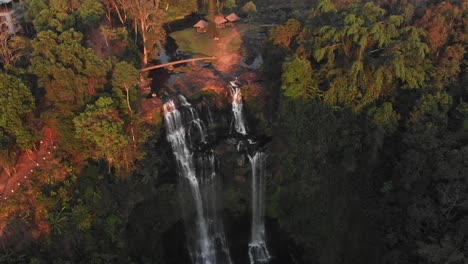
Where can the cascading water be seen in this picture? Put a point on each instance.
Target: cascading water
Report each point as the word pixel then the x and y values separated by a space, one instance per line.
pixel 237 106
pixel 203 252
pixel 258 251
pixel 208 245
pixel 211 191
pixel 193 121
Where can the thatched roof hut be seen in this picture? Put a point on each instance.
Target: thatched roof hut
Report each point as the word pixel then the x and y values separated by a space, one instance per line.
pixel 219 21
pixel 231 18
pixel 201 26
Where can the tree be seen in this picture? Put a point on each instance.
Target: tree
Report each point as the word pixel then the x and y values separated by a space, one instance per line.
pixel 66 70
pixel 109 34
pixel 57 219
pixel 12 48
pixel 446 26
pixel 230 5
pixel 120 7
pixel 125 76
pixel 17 102
pixel 249 8
pixel 297 82
pixel 101 127
pixel 90 12
pixel 364 54
pixel 7 152
pixel 284 34
pixel 148 20
pixel 54 14
pixel 385 117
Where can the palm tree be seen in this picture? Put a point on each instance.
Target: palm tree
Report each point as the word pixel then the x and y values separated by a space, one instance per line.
pixel 56 220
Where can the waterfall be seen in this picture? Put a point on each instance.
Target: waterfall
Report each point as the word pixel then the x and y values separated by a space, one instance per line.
pixel 258 252
pixel 211 122
pixel 208 245
pixel 203 252
pixel 237 106
pixel 211 191
pixel 194 122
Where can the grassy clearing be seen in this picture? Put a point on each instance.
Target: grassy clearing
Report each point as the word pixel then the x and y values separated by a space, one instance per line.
pixel 200 44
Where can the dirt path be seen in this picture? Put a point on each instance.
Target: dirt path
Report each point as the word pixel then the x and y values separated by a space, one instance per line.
pixel 227 62
pixel 27 163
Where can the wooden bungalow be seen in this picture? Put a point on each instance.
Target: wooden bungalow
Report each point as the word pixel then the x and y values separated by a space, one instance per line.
pixel 231 19
pixel 220 21
pixel 201 26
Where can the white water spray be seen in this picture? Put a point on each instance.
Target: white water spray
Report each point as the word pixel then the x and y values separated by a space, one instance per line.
pixel 258 251
pixel 209 245
pixel 211 191
pixel 237 107
pixel 203 252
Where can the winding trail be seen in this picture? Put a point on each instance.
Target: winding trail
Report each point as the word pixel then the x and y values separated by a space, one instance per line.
pixel 27 163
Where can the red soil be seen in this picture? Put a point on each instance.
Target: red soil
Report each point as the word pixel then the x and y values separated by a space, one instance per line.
pixel 27 162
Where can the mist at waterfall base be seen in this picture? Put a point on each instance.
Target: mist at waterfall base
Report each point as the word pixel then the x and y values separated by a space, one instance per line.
pixel 200 183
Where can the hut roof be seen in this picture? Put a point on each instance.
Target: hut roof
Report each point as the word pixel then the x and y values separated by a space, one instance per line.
pixel 201 24
pixel 219 20
pixel 233 17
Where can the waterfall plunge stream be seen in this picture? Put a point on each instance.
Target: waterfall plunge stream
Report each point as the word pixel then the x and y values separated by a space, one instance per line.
pixel 237 106
pixel 206 239
pixel 208 245
pixel 258 252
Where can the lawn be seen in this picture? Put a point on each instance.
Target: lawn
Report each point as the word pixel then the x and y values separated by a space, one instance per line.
pixel 201 44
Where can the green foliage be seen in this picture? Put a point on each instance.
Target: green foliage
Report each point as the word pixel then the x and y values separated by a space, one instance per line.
pixel 66 70
pixel 284 34
pixel 369 155
pixel 387 187
pixel 101 127
pixel 149 20
pixel 81 218
pixel 113 226
pixel 90 12
pixel 50 15
pixel 7 151
pixel 365 53
pixel 57 220
pixel 179 9
pixel 315 197
pixel 431 111
pixel 17 102
pixel 12 258
pixel 385 117
pixel 230 5
pixel 326 6
pixel 249 8
pixel 13 50
pixel 297 81
pixel 113 33
pixel 125 77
